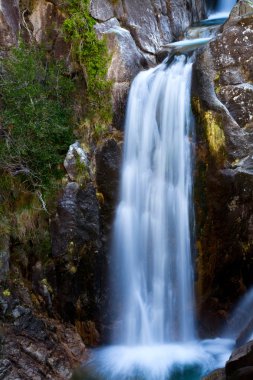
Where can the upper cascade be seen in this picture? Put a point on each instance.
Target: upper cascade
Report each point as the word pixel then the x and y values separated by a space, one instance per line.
pixel 223 8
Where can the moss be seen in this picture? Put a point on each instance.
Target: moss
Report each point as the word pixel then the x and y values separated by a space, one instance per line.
pixel 6 293
pixel 92 55
pixel 212 130
pixel 214 133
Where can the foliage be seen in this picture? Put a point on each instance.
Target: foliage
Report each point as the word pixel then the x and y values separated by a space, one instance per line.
pixel 35 133
pixel 36 117
pixel 92 55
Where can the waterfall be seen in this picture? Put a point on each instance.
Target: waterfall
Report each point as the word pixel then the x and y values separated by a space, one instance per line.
pixel 222 9
pixel 225 6
pixel 154 333
pixel 152 228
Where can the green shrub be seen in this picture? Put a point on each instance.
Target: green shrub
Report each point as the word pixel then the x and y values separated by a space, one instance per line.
pixel 36 117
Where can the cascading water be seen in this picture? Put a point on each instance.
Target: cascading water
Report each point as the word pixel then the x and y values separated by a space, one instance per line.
pixel 152 227
pixel 225 5
pixel 155 334
pixel 222 9
pixel 155 337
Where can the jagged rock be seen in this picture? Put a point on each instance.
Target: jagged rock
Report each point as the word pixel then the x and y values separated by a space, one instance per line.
pixel 9 22
pixel 45 21
pixel 222 99
pixel 40 348
pixel 127 61
pixel 76 163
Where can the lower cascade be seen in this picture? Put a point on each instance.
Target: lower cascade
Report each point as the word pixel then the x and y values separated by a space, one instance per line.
pixel 155 337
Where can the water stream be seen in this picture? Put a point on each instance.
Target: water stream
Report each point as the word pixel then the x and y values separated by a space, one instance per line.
pixel 223 8
pixel 155 336
pixel 152 227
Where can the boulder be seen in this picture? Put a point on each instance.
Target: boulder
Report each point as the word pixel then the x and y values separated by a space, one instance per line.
pixel 101 10
pixel 239 365
pixel 77 163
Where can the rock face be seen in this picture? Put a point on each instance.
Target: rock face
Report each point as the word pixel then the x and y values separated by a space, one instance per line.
pixel 108 162
pixel 35 347
pixel 9 22
pixel 222 99
pixel 136 31
pixel 75 249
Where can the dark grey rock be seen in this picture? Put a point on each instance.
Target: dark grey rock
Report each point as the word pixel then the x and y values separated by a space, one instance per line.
pixel 222 99
pixel 242 357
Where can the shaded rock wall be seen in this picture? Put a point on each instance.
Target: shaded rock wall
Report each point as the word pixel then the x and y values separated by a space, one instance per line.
pixel 222 100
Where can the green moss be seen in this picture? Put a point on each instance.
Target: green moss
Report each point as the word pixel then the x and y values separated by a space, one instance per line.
pixel 92 55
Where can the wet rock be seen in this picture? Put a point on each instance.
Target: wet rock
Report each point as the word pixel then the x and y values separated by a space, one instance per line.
pixel 245 334
pixel 108 162
pixel 218 374
pixel 239 365
pixel 75 248
pixel 77 220
pixel 222 101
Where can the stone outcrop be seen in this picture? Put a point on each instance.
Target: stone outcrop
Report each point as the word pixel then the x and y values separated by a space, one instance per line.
pixel 222 100
pixel 136 31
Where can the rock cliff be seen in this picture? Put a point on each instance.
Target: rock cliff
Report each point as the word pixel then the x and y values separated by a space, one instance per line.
pixel 222 100
pixel 49 300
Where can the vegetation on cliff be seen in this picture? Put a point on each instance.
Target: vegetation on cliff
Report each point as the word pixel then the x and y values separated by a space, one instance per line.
pixel 92 55
pixel 36 130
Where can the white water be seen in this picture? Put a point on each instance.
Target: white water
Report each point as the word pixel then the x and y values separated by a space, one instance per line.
pixel 152 227
pixel 241 316
pixel 155 335
pixel 223 8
